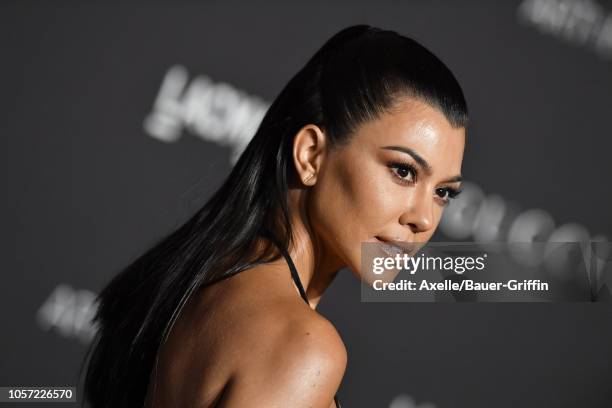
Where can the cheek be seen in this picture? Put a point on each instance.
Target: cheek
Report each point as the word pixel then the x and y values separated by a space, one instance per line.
pixel 378 201
pixel 352 204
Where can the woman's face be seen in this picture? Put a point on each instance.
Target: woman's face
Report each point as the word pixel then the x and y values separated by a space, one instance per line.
pixel 390 183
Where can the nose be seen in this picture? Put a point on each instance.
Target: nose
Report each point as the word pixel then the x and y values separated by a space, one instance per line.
pixel 419 214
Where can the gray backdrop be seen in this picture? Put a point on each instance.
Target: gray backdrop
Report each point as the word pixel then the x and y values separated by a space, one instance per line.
pixel 94 171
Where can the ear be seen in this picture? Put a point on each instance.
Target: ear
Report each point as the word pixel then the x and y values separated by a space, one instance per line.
pixel 309 147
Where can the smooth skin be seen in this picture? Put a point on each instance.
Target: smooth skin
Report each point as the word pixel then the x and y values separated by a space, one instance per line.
pixel 250 340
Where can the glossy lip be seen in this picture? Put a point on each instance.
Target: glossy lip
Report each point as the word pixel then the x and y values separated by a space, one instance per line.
pixel 401 247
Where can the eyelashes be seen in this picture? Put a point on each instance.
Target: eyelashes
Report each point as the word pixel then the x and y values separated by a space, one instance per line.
pixel 404 170
pixel 407 174
pixel 448 193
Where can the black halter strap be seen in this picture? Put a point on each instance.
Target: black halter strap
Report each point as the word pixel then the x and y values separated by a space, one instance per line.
pixel 292 268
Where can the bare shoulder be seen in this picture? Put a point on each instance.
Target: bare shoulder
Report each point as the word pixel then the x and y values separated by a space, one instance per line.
pixel 290 357
pixel 293 330
pixel 311 336
pixel 264 314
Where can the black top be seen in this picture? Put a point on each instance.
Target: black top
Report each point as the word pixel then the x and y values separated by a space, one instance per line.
pixel 298 282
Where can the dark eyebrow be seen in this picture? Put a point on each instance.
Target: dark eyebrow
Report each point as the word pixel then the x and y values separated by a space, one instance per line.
pixel 454 179
pixel 421 161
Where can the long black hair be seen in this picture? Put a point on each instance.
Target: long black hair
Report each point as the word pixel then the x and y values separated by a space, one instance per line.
pixel 357 75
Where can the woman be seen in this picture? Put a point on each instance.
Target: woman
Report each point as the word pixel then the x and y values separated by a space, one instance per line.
pixel 364 144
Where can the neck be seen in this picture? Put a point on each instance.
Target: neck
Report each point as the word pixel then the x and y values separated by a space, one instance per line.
pixel 317 266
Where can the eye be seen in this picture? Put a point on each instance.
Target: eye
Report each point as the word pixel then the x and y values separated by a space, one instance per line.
pixel 404 172
pixel 447 193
